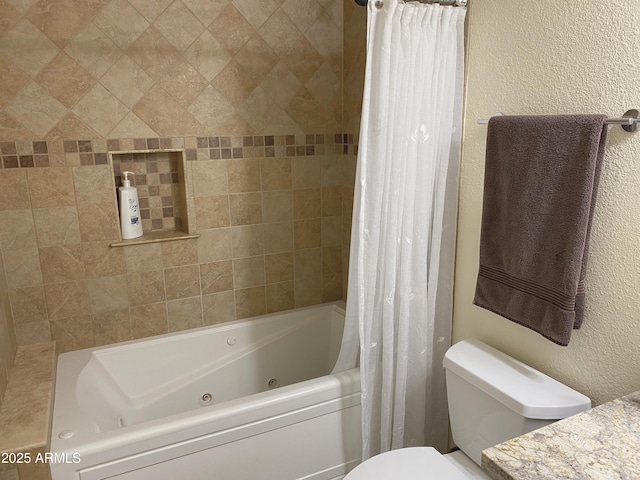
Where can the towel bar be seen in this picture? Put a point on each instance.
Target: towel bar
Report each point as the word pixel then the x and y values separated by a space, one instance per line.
pixel 629 121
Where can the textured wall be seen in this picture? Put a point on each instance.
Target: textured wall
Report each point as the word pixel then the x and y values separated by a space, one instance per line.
pixel 546 57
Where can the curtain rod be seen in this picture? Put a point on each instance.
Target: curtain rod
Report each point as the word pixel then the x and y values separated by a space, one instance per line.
pixel 455 3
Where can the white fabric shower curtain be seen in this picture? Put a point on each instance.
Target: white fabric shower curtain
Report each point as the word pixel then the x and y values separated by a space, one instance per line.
pixel 403 235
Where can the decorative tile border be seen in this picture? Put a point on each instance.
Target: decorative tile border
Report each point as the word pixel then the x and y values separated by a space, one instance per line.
pixel 58 153
pixel 37 155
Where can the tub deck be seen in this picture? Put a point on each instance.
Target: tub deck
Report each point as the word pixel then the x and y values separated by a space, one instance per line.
pixel 25 417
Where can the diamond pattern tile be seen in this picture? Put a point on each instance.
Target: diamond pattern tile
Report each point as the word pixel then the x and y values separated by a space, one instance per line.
pixel 11 81
pixel 257 13
pixel 256 57
pixel 9 16
pixel 100 109
pixel 132 126
pixel 71 127
pixel 303 60
pixel 281 84
pixel 65 80
pixel 178 25
pixel 325 36
pixel 263 114
pixel 212 109
pixel 127 81
pixel 22 6
pixel 303 13
pixel 231 29
pixel 309 115
pixel 148 68
pixel 150 9
pixel 280 33
pixel 121 23
pixel 206 10
pixel 61 20
pixel 164 114
pixel 325 88
pixel 207 55
pixel 153 53
pixel 234 83
pixel 27 47
pixel 36 109
pixel 92 49
pixel 183 82
pixel 336 11
pixel 12 129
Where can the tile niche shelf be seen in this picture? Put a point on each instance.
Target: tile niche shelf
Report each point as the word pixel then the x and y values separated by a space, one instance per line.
pixel 162 183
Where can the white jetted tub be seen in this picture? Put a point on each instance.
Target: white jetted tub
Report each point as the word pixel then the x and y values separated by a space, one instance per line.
pixel 247 400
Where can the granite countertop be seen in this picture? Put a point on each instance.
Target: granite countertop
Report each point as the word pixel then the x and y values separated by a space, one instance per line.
pixel 600 444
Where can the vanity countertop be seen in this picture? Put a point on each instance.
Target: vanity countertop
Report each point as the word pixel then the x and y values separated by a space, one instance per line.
pixel 600 444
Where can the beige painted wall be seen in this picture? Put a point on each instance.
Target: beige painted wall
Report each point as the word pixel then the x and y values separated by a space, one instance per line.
pixel 547 57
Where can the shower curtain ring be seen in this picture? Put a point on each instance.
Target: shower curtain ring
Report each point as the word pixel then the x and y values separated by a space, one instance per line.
pixel 379 4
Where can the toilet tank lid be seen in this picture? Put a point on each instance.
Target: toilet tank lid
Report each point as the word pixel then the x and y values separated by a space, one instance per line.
pixel 520 387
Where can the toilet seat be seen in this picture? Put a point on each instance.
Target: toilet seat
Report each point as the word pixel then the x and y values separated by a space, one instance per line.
pixel 417 463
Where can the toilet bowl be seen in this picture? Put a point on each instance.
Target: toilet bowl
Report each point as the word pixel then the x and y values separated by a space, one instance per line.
pixel 419 463
pixel 492 398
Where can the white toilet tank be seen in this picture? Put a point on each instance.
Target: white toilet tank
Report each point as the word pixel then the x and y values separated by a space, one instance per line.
pixel 494 397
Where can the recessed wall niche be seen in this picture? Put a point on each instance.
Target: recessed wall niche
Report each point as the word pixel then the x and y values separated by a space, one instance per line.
pixel 160 179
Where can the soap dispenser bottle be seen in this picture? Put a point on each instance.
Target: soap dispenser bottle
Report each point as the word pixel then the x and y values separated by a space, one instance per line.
pixel 130 222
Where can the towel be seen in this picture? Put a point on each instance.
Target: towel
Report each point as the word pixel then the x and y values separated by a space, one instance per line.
pixel 541 181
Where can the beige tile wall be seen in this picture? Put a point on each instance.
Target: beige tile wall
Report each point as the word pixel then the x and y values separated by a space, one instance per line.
pixel 7 333
pixel 149 68
pixel 354 52
pixel 354 58
pixel 270 239
pixel 251 89
pixel 272 202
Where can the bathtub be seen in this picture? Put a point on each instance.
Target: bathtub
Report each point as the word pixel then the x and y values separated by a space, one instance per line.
pixel 251 399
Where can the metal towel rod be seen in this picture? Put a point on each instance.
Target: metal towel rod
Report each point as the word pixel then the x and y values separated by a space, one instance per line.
pixel 629 121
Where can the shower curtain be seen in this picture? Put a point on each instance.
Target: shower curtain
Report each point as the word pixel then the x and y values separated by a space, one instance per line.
pixel 401 262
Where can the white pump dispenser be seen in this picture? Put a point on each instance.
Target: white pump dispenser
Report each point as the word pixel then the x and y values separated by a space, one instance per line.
pixel 130 223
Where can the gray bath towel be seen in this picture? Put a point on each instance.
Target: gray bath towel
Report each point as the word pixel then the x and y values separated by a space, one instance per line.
pixel 541 179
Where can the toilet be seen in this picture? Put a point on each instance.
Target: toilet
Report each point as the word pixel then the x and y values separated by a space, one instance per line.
pixel 492 398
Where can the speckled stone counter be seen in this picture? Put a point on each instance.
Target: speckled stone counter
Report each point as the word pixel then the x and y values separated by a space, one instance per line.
pixel 600 444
